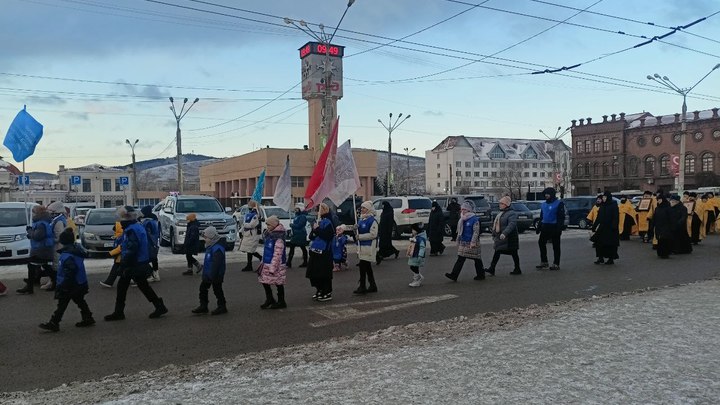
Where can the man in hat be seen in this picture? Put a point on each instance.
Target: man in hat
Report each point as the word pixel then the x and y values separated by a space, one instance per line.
pixel 134 265
pixel 552 221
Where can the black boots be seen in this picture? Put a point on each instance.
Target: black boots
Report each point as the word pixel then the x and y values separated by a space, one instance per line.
pixel 270 302
pixel 115 316
pixel 86 321
pixel 221 309
pixel 51 326
pixel 28 289
pixel 516 272
pixel 188 272
pixel 160 309
pixel 201 309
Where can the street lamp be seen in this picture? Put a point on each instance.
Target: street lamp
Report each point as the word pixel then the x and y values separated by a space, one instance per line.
pixel 390 127
pixel 665 81
pixel 178 140
pixel 134 179
pixel 408 151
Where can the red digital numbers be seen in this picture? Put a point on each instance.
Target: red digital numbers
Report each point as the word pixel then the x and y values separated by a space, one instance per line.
pixel 322 49
pixel 304 51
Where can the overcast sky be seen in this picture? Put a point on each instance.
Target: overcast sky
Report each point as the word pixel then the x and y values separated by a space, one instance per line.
pixel 95 72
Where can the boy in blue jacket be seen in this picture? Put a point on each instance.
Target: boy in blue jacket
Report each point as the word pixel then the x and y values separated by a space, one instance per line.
pixel 72 284
pixel 339 249
pixel 213 272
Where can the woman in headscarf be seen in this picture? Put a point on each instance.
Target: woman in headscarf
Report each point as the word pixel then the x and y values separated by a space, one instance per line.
pixel 505 236
pixel 605 230
pixel 385 233
pixel 320 262
pixel 663 222
pixel 468 229
pixel 366 235
pixel 436 231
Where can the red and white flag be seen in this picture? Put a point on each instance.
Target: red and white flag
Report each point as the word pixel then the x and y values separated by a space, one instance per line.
pixel 347 181
pixel 322 181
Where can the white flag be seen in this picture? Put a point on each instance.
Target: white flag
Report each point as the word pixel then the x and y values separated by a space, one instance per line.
pixel 347 181
pixel 283 189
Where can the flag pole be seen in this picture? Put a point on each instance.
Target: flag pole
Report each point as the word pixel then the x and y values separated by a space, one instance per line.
pixel 27 215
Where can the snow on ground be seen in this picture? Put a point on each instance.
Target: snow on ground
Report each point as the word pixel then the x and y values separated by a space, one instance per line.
pixel 654 346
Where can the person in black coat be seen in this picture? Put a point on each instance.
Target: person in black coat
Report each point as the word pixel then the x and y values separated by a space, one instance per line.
pixel 436 231
pixel 605 230
pixel 663 222
pixel 681 243
pixel 454 209
pixel 192 245
pixel 385 233
pixel 320 262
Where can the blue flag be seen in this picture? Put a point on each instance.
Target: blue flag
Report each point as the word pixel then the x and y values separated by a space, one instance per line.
pixel 23 136
pixel 258 193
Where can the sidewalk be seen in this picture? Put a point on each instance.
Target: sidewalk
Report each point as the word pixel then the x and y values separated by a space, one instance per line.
pixel 649 347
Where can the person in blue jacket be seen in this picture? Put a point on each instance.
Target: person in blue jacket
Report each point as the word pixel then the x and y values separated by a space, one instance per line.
pixel 552 222
pixel 71 283
pixel 42 241
pixel 213 272
pixel 299 237
pixel 152 227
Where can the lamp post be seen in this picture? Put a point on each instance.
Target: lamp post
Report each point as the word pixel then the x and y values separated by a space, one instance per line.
pixel 327 106
pixel 665 81
pixel 408 151
pixel 134 178
pixel 390 127
pixel 178 140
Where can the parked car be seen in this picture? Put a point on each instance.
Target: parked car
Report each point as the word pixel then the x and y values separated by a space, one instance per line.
pixel 534 207
pixel 524 215
pixel 408 210
pixel 577 209
pixel 267 211
pixel 209 211
pixel 96 233
pixel 482 209
pixel 14 218
pixel 79 210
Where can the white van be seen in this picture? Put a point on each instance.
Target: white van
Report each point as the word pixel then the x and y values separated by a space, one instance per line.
pixel 14 218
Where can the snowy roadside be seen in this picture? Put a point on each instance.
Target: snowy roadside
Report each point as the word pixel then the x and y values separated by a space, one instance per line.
pixel 656 346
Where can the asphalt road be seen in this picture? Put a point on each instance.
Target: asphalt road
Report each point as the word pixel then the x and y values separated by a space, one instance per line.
pixel 35 359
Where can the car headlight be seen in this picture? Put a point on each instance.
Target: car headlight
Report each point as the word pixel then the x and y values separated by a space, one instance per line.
pixel 20 236
pixel 89 236
pixel 182 222
pixel 230 221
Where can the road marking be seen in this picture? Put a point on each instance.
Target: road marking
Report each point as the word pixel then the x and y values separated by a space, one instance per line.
pixel 343 312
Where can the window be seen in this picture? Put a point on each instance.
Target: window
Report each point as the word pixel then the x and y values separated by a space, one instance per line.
pixel 476 164
pixel 485 165
pixel 596 169
pixel 707 162
pixel 438 165
pixel 502 164
pixel 458 164
pixel 534 174
pixel 587 169
pixel 437 155
pixel 477 184
pixel 542 174
pixel 494 183
pixel 497 153
pixel 299 181
pixel 616 144
pixel 438 185
pixel 526 165
pixel 458 173
pixel 107 203
pixel 468 174
pixel 493 174
pixel 606 145
pixel 119 203
pixel 664 165
pixel 633 166
pixel 579 171
pixel 468 164
pixel 485 174
pixel 588 146
pixel 596 145
pixel 615 170
pixel 458 183
pixel 438 175
pixel 689 164
pixel 649 166
pixel 579 147
pixel 526 174
pixel 605 169
pixel 86 185
pixel 117 185
pixel 534 165
pixel 476 174
pixel 529 153
pixel 107 185
pixel 493 164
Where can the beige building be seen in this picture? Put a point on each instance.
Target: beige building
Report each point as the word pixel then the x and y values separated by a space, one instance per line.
pixel 233 180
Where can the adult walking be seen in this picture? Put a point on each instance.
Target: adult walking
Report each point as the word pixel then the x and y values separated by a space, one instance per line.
pixel 192 244
pixel 299 237
pixel 273 269
pixel 436 230
pixel 468 229
pixel 453 209
pixel 645 211
pixel 42 241
pixel 134 265
pixel 695 224
pixel 663 221
pixel 367 231
pixel 152 227
pixel 320 262
pixel 505 236
pixel 552 221
pixel 681 243
pixel 605 231
pixel 58 224
pixel 385 233
pixel 627 219
pixel 251 231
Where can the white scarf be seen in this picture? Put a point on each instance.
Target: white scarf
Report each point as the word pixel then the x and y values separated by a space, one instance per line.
pixel 464 217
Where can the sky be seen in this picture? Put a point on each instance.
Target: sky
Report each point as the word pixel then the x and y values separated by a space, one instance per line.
pixel 95 73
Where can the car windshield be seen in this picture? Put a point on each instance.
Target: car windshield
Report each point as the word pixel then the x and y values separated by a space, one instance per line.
pixel 13 217
pixel 419 203
pixel 101 218
pixel 81 211
pixel 199 205
pixel 480 202
pixel 519 207
pixel 278 212
pixel 533 205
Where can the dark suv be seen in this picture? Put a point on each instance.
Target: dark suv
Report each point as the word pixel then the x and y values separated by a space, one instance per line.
pixel 482 209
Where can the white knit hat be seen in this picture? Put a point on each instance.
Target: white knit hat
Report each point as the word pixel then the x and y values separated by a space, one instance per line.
pixel 300 206
pixel 56 207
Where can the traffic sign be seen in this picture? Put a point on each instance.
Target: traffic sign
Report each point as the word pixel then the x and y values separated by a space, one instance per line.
pixel 75 180
pixel 23 180
pixel 124 181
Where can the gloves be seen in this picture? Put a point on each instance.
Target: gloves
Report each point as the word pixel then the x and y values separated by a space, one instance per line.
pixel 502 236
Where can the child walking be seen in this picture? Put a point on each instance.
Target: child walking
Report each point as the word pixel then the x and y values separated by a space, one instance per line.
pixel 115 253
pixel 213 272
pixel 71 283
pixel 192 245
pixel 416 253
pixel 273 269
pixel 339 249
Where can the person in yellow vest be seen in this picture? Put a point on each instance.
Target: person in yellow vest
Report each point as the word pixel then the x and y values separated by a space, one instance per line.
pixel 696 230
pixel 645 211
pixel 628 219
pixel 592 215
pixel 713 213
pixel 70 223
pixel 708 212
pixel 115 254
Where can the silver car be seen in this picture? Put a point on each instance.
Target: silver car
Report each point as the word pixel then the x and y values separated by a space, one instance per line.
pixel 96 233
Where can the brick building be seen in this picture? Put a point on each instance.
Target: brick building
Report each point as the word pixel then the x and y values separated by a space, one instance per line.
pixel 635 151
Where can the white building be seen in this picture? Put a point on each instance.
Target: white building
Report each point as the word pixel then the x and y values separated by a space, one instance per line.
pixel 496 167
pixel 99 184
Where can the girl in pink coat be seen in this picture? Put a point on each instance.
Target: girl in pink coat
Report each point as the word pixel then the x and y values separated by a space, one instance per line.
pixel 274 264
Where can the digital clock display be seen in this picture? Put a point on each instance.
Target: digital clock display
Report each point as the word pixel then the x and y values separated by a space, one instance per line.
pixel 321 49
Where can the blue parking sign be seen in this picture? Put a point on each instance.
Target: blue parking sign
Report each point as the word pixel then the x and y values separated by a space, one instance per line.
pixel 124 181
pixel 23 180
pixel 75 180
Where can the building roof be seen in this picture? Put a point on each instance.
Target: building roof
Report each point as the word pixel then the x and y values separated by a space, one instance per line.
pixel 96 167
pixel 9 167
pixel 651 120
pixel 512 148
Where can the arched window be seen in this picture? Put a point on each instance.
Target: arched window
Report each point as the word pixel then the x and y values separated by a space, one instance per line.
pixel 596 145
pixel 615 168
pixel 580 170
pixel 689 164
pixel 707 162
pixel 605 169
pixel 633 166
pixel 596 169
pixel 649 165
pixel 587 169
pixel 664 165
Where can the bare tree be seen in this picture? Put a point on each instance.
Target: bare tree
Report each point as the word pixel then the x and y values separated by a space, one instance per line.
pixel 511 182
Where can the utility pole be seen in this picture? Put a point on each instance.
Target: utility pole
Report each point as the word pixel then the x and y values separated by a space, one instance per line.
pixel 390 127
pixel 178 138
pixel 134 176
pixel 408 151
